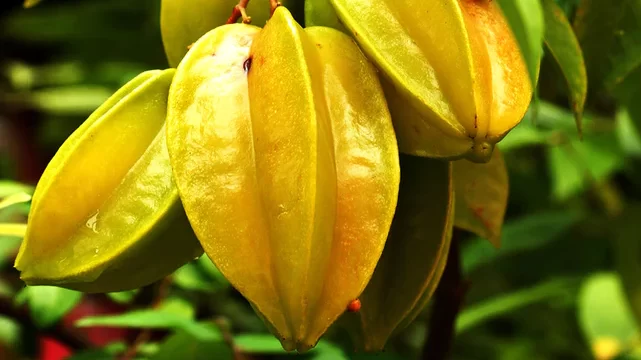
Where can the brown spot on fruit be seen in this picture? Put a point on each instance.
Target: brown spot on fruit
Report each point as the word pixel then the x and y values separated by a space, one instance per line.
pixel 247 65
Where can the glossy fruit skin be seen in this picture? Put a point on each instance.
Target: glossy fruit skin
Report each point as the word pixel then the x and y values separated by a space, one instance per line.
pixel 292 175
pixel 105 214
pixel 182 22
pixel 414 256
pixel 470 90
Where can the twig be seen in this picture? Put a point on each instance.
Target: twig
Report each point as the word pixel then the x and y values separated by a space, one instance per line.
pixel 224 327
pixel 273 5
pixel 239 11
pixel 67 336
pixel 447 304
pixel 161 290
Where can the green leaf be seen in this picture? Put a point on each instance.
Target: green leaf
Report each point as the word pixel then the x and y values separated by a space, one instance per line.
pixel 575 164
pixel 481 196
pixel 610 35
pixel 520 235
pixel 8 187
pixel 325 350
pixel 70 100
pixel 523 135
pixel 178 306
pixel 190 278
pixel 207 266
pixel 628 133
pixel 267 344
pixel 148 349
pixel 605 315
pixel 48 304
pixel 18 198
pixel 377 356
pixel 123 297
pixel 628 94
pixel 9 244
pixel 183 345
pixel 10 331
pixel 527 23
pixel 504 304
pixel 200 275
pixel 108 352
pixel 564 47
pixel 154 319
pixel 553 117
pixel 258 344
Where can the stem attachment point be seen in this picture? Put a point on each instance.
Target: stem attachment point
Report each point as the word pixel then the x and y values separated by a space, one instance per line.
pixel 274 4
pixel 240 11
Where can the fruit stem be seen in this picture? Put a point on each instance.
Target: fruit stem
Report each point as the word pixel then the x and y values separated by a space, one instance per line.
pixel 448 301
pixel 273 5
pixel 239 11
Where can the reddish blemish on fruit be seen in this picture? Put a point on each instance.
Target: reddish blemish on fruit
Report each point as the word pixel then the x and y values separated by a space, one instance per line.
pixel 354 306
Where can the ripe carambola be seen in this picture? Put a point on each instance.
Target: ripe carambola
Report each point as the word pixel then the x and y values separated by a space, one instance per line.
pixel 453 74
pixel 414 256
pixel 105 214
pixel 182 22
pixel 285 158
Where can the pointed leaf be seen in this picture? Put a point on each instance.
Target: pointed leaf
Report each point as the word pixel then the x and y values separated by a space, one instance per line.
pixel 153 319
pixel 564 47
pixel 610 35
pixel 520 235
pixel 503 304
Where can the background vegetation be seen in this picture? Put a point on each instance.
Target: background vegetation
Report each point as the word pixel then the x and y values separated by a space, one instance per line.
pixel 565 283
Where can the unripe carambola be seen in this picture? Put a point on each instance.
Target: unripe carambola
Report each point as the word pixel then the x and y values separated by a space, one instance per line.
pixel 455 79
pixel 284 154
pixel 105 214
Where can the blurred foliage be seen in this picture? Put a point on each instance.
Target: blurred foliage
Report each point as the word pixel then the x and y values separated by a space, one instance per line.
pixel 563 285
